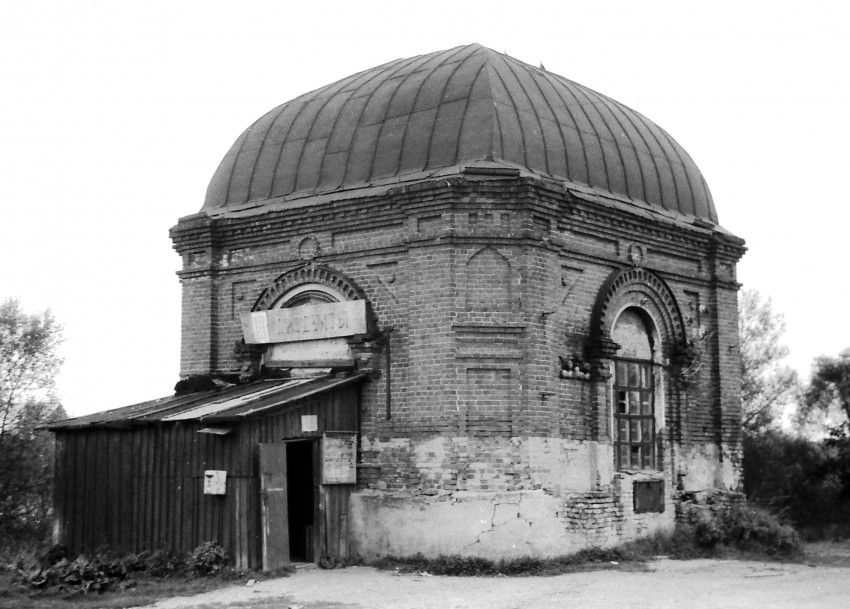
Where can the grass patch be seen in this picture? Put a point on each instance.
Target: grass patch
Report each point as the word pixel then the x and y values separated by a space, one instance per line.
pixel 145 590
pixel 829 553
pixel 455 565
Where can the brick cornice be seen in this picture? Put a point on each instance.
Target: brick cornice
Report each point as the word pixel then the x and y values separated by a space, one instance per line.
pixel 519 195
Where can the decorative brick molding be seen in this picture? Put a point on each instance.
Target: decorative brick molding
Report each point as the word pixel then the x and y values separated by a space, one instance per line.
pixel 310 273
pixel 635 287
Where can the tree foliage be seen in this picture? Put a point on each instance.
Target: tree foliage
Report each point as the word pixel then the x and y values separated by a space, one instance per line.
pixel 766 384
pixel 789 475
pixel 829 388
pixel 28 366
pixel 826 405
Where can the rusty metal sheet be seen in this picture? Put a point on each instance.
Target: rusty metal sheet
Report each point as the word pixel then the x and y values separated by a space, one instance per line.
pixel 648 495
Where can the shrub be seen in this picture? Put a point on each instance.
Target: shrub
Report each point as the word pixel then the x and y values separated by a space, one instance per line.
pixel 82 575
pixel 207 559
pixel 708 529
pixel 158 563
pixel 807 482
pixel 743 527
pixel 756 530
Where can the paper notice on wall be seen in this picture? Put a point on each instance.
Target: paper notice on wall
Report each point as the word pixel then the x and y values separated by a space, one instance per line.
pixel 215 482
pixel 339 458
pixel 309 422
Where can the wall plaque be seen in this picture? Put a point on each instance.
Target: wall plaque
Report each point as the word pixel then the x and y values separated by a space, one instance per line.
pixel 309 422
pixel 648 496
pixel 310 322
pixel 322 353
pixel 215 482
pixel 339 458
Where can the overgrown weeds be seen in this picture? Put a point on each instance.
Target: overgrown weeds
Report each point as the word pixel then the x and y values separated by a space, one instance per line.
pixel 56 573
pixel 207 559
pixel 455 565
pixel 741 527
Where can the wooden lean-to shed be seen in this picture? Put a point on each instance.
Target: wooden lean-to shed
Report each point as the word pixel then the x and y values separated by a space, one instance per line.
pixel 264 469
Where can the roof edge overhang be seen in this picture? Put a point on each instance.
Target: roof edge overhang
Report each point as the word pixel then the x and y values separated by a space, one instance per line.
pixel 164 411
pixel 282 405
pixel 482 169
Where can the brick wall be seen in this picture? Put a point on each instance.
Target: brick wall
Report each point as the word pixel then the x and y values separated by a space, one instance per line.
pixel 480 285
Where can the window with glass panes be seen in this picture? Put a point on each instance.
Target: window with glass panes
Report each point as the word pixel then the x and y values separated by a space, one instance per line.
pixel 634 415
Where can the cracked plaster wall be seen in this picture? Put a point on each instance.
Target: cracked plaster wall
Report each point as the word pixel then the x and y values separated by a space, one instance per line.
pixel 703 467
pixel 493 525
pixel 496 497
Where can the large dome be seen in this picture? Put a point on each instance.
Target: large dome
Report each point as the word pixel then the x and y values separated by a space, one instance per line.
pixel 411 117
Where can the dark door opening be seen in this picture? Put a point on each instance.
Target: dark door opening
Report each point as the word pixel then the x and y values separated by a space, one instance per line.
pixel 301 503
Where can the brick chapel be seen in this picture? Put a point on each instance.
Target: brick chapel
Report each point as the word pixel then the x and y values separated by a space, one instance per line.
pixel 498 307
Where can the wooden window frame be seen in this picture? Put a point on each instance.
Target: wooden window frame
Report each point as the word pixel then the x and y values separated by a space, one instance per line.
pixel 634 415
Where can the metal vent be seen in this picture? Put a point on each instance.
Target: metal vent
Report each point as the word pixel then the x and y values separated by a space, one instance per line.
pixel 649 496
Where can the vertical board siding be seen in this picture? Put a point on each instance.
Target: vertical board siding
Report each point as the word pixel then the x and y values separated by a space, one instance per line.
pixel 141 488
pixel 333 524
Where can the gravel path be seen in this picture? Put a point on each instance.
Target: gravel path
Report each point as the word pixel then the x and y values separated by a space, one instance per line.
pixel 697 584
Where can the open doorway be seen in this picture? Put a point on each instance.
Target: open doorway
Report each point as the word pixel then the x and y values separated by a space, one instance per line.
pixel 302 498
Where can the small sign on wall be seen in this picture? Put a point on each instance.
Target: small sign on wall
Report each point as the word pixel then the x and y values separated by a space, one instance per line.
pixel 309 422
pixel 215 482
pixel 339 458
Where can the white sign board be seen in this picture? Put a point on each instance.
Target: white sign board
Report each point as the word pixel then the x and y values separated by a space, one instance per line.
pixel 215 482
pixel 309 422
pixel 339 458
pixel 310 322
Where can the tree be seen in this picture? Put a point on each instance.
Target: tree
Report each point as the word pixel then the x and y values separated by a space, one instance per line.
pixel 789 474
pixel 28 366
pixel 829 388
pixel 766 385
pixel 826 407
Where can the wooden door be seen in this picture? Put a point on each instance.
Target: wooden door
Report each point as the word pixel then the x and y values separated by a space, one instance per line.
pixel 275 516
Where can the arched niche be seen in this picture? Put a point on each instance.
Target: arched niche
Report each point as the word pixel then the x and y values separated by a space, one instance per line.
pixel 643 291
pixel 488 281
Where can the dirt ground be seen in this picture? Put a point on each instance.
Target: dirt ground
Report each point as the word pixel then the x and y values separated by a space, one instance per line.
pixel 822 582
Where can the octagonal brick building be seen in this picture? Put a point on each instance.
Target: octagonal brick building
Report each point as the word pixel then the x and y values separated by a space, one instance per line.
pixel 508 294
pixel 551 345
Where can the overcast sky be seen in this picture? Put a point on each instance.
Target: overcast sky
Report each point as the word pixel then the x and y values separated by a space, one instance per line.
pixel 116 114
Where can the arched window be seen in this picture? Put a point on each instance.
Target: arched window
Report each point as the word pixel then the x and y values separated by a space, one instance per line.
pixel 307 294
pixel 634 391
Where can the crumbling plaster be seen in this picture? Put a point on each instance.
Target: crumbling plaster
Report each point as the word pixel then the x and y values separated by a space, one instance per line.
pixel 706 466
pixel 493 524
pixel 499 497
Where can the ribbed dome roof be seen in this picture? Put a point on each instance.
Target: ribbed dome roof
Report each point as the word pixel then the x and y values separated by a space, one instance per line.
pixel 451 108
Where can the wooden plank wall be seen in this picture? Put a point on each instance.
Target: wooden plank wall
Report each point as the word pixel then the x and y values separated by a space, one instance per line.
pixel 142 488
pixel 333 525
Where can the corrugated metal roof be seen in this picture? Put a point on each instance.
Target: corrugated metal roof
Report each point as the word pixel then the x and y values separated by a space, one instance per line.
pixel 448 109
pixel 226 404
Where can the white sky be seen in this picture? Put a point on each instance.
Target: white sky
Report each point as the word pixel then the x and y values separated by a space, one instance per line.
pixel 114 116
